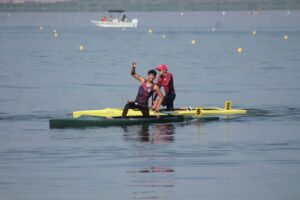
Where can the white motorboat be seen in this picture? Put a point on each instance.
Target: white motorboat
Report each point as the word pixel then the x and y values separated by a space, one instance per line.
pixel 115 22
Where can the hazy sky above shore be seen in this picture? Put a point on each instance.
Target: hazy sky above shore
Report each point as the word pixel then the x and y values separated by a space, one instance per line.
pixel 20 1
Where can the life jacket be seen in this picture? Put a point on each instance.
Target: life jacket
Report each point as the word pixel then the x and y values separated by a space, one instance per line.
pixel 144 93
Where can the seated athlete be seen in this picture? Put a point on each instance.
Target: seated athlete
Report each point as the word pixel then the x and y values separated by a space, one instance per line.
pixel 146 90
pixel 165 80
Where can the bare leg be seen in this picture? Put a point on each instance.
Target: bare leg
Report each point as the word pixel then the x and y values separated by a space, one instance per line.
pixel 126 108
pixel 154 107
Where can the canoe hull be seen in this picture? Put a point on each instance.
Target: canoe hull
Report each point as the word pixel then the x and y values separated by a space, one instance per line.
pixel 83 122
pixel 117 112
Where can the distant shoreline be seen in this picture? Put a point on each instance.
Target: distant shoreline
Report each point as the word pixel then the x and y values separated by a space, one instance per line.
pixel 254 6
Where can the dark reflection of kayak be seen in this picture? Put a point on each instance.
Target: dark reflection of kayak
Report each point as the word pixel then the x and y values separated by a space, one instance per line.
pixel 105 122
pixel 153 170
pixel 156 133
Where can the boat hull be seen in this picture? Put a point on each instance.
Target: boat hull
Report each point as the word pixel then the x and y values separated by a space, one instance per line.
pixel 117 112
pixel 117 24
pixel 84 122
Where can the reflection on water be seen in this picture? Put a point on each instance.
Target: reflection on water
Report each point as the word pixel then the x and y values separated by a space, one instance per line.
pixel 156 134
pixel 152 172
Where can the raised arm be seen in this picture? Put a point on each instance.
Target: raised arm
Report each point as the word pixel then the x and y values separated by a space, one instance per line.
pixel 135 75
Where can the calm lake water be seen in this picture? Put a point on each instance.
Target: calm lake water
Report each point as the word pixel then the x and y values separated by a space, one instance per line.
pixel 256 156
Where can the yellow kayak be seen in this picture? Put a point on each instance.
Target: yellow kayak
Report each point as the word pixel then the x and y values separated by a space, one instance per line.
pixel 186 111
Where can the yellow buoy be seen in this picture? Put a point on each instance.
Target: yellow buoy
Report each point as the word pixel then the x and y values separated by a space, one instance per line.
pixel 193 42
pixel 285 37
pixel 55 34
pixel 150 31
pixel 240 50
pixel 81 48
pixel 253 32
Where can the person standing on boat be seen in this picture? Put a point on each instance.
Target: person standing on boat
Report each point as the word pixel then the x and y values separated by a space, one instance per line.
pixel 103 19
pixel 123 19
pixel 146 90
pixel 165 80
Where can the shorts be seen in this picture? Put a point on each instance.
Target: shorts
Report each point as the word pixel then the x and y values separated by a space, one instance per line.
pixel 169 101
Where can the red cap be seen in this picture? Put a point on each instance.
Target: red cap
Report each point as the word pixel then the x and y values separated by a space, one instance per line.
pixel 162 67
